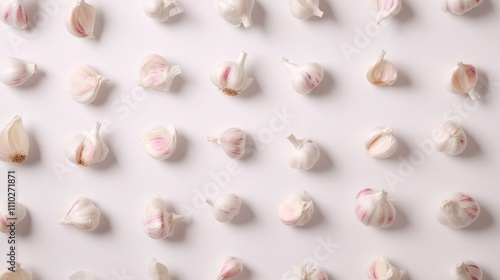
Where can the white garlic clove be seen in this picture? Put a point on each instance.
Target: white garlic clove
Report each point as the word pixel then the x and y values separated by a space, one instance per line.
pixel 14 142
pixel 381 269
pixel 81 19
pixel 230 269
pixel 305 155
pixel 459 7
pixel 459 210
pixel 295 211
pixel 160 142
pixel 383 73
pixel 156 73
pixel 7 212
pixel 463 79
pixel 83 214
pixel 232 141
pixel 18 274
pixel 14 14
pixel 84 84
pixel 84 150
pixel 225 207
pixel 381 143
pixel 14 72
pixel 157 271
pixel 386 8
pixel 374 208
pixel 305 77
pixel 304 9
pixel 235 12
pixel 466 270
pixel 230 77
pixel 158 223
pixel 162 10
pixel 81 275
pixel 309 271
pixel 450 139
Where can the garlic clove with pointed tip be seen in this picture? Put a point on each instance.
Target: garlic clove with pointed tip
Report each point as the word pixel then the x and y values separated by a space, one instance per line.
pixel 381 269
pixel 232 141
pixel 162 10
pixel 14 142
pixel 81 19
pixel 15 72
pixel 386 8
pixel 236 12
pixel 381 143
pixel 382 73
pixel 463 79
pixel 230 269
pixel 13 13
pixel 157 73
pixel 11 213
pixel 157 270
pixel 459 7
pixel 459 210
pixel 465 270
pixel 88 149
pixel 450 139
pixel 160 142
pixel 374 209
pixel 311 271
pixel 305 155
pixel 230 77
pixel 158 223
pixel 305 77
pixel 304 9
pixel 18 273
pixel 225 207
pixel 84 84
pixel 295 211
pixel 81 275
pixel 83 214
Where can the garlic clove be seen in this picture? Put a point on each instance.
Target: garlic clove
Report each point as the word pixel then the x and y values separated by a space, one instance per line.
pixel 466 270
pixel 162 10
pixel 374 208
pixel 156 73
pixel 84 84
pixel 304 9
pixel 294 211
pixel 158 223
pixel 230 77
pixel 6 213
pixel 235 12
pixel 160 142
pixel 157 271
pixel 382 73
pixel 231 268
pixel 459 210
pixel 305 155
pixel 305 77
pixel 459 7
pixel 14 14
pixel 84 150
pixel 81 275
pixel 381 143
pixel 386 8
pixel 450 139
pixel 463 79
pixel 381 269
pixel 232 141
pixel 14 142
pixel 14 72
pixel 83 214
pixel 81 19
pixel 310 271
pixel 225 207
pixel 18 274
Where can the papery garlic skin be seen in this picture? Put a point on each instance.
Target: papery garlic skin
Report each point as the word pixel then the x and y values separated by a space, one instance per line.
pixel 15 72
pixel 225 207
pixel 305 155
pixel 374 208
pixel 6 219
pixel 84 84
pixel 386 8
pixel 450 139
pixel 83 214
pixel 231 268
pixel 14 142
pixel 309 271
pixel 465 270
pixel 158 223
pixel 382 73
pixel 13 13
pixel 157 270
pixel 84 150
pixel 81 275
pixel 81 19
pixel 304 9
pixel 160 142
pixel 459 7
pixel 232 141
pixel 381 269
pixel 18 274
pixel 463 79
pixel 305 77
pixel 230 77
pixel 156 73
pixel 381 143
pixel 295 211
pixel 459 210
pixel 162 10
pixel 235 12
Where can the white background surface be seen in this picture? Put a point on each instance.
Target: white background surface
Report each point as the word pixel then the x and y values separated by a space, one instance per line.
pixel 422 41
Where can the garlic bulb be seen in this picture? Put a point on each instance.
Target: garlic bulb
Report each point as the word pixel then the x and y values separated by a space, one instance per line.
pixel 374 208
pixel 232 141
pixel 14 13
pixel 305 77
pixel 83 214
pixel 225 207
pixel 18 274
pixel 381 143
pixel 304 9
pixel 157 271
pixel 161 10
pixel 156 73
pixel 459 7
pixel 81 19
pixel 383 73
pixel 230 77
pixel 235 12
pixel 463 79
pixel 160 142
pixel 381 269
pixel 81 275
pixel 450 139
pixel 295 212
pixel 231 268
pixel 459 210
pixel 14 142
pixel 8 216
pixel 466 270
pixel 158 223
pixel 305 155
pixel 84 83
pixel 14 72
pixel 310 271
pixel 84 150
pixel 386 8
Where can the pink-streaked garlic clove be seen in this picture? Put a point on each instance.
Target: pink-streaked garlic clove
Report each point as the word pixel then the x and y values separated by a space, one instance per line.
pixel 386 8
pixel 450 139
pixel 236 12
pixel 161 10
pixel 156 73
pixel 15 72
pixel 232 141
pixel 463 79
pixel 160 141
pixel 305 77
pixel 459 210
pixel 374 209
pixel 84 84
pixel 13 13
pixel 230 269
pixel 295 211
pixel 459 7
pixel 305 155
pixel 381 142
pixel 81 19
pixel 304 9
pixel 381 269
pixel 87 149
pixel 158 223
pixel 382 73
pixel 230 77
pixel 83 214
pixel 465 270
pixel 312 271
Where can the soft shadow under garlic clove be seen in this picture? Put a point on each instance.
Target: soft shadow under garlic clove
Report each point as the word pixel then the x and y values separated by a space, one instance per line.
pixel 103 94
pixel 253 89
pixel 178 83
pixel 472 150
pixel 400 222
pixel 259 16
pixel 406 14
pixel 484 221
pixel 317 216
pixel 34 80
pixel 99 24
pixel 245 216
pixel 326 86
pixel 479 12
pixel 181 150
pixel 324 163
pixel 104 224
